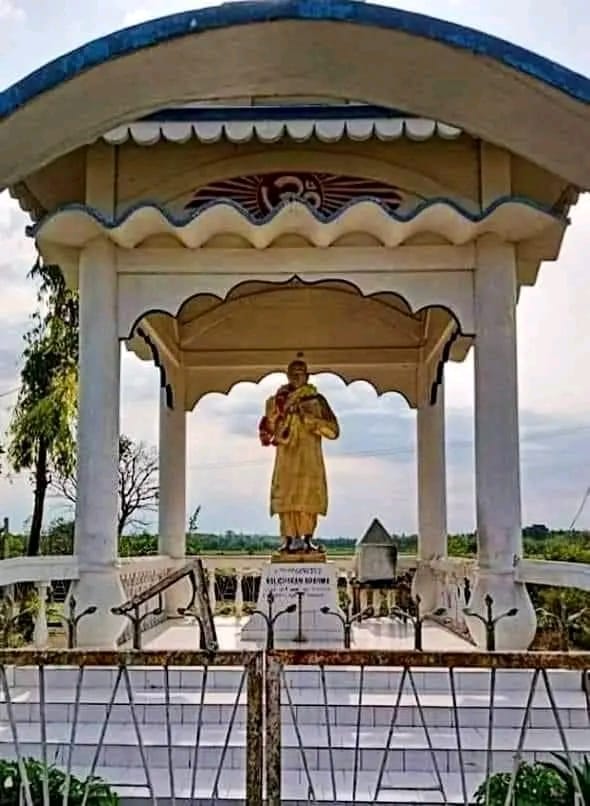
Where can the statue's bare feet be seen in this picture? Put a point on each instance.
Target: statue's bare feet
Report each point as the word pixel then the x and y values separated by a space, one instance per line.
pixel 287 545
pixel 310 545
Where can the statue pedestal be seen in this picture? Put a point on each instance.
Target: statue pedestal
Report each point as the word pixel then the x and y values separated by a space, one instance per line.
pixel 317 580
pixel 298 557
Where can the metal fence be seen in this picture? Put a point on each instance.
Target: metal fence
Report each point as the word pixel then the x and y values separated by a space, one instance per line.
pixel 87 712
pixel 291 727
pixel 359 758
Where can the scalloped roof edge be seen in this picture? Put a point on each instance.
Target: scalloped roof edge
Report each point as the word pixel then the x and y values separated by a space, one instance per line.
pixel 155 32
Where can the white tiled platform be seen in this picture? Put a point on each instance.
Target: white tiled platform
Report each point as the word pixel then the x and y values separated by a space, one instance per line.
pixel 355 728
pixel 372 634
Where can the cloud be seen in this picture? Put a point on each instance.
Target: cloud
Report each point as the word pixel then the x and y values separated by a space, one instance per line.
pixel 158 8
pixel 17 299
pixel 10 12
pixel 136 16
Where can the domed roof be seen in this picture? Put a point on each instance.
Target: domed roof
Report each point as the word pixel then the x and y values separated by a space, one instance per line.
pixel 311 48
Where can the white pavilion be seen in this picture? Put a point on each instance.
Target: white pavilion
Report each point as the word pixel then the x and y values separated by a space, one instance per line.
pixel 229 186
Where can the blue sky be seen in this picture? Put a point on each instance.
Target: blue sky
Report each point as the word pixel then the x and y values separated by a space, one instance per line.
pixel 372 468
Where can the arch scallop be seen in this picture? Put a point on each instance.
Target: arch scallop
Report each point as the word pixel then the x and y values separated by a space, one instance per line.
pixel 454 292
pixel 221 379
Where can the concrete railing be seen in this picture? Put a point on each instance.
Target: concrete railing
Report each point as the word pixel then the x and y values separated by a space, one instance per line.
pixel 42 572
pixel 455 576
pixel 550 572
pixel 38 569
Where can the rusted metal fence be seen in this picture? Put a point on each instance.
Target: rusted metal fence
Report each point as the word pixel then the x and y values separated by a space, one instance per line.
pixel 290 727
pixel 76 726
pixel 355 766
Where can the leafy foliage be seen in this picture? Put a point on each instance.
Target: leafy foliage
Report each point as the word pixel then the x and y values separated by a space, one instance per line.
pixel 581 772
pixel 563 617
pixel 41 431
pixel 100 794
pixel 535 784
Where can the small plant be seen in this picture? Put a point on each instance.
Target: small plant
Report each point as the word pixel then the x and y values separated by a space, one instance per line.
pixel 581 773
pixel 535 784
pixel 17 621
pixel 11 784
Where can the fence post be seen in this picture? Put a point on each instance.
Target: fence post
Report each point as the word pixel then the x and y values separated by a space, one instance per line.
pixel 254 732
pixel 273 730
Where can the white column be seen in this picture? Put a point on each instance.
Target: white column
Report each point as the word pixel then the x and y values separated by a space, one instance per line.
pixel 432 499
pixel 98 448
pixel 497 462
pixel 172 499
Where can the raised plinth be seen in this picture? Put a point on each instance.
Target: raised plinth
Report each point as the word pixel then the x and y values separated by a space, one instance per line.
pixel 317 581
pixel 298 557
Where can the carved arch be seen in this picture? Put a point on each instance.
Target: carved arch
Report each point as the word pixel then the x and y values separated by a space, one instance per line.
pixel 416 387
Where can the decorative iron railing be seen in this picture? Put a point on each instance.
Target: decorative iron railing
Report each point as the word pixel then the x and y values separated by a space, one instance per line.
pixel 137 608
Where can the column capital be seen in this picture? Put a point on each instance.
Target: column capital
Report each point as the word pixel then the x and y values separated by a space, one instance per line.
pixel 492 242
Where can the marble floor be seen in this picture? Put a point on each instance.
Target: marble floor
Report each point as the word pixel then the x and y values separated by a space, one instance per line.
pixel 371 634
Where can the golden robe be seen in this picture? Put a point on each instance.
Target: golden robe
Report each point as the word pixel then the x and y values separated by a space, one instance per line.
pixel 295 422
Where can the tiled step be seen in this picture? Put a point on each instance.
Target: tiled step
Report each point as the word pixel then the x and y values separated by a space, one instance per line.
pixel 409 762
pixel 409 789
pixel 409 748
pixel 308 705
pixel 341 677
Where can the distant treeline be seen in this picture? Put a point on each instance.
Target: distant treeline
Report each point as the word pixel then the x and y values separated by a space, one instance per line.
pixel 539 541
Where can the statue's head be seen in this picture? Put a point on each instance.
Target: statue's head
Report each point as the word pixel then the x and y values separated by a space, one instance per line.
pixel 297 373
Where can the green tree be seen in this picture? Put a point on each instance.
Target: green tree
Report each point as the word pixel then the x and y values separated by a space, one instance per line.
pixel 41 430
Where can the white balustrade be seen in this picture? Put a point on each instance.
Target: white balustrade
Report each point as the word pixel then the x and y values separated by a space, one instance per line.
pixel 137 573
pixel 41 630
pixel 212 597
pixel 239 600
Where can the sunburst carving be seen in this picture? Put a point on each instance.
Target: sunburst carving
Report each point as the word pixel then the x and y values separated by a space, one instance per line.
pixel 327 194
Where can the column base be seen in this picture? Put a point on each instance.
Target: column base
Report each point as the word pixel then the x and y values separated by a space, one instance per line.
pixel 513 632
pixel 103 590
pixel 425 584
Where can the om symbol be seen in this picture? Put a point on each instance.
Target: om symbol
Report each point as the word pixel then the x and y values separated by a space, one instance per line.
pixel 280 189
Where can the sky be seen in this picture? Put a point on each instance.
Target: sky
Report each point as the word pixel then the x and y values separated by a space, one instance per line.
pixel 372 468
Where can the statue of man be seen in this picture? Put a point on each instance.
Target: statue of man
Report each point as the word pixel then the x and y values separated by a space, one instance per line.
pixel 296 419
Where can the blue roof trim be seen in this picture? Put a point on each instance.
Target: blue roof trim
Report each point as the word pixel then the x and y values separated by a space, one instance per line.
pixel 111 223
pixel 152 33
pixel 220 113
